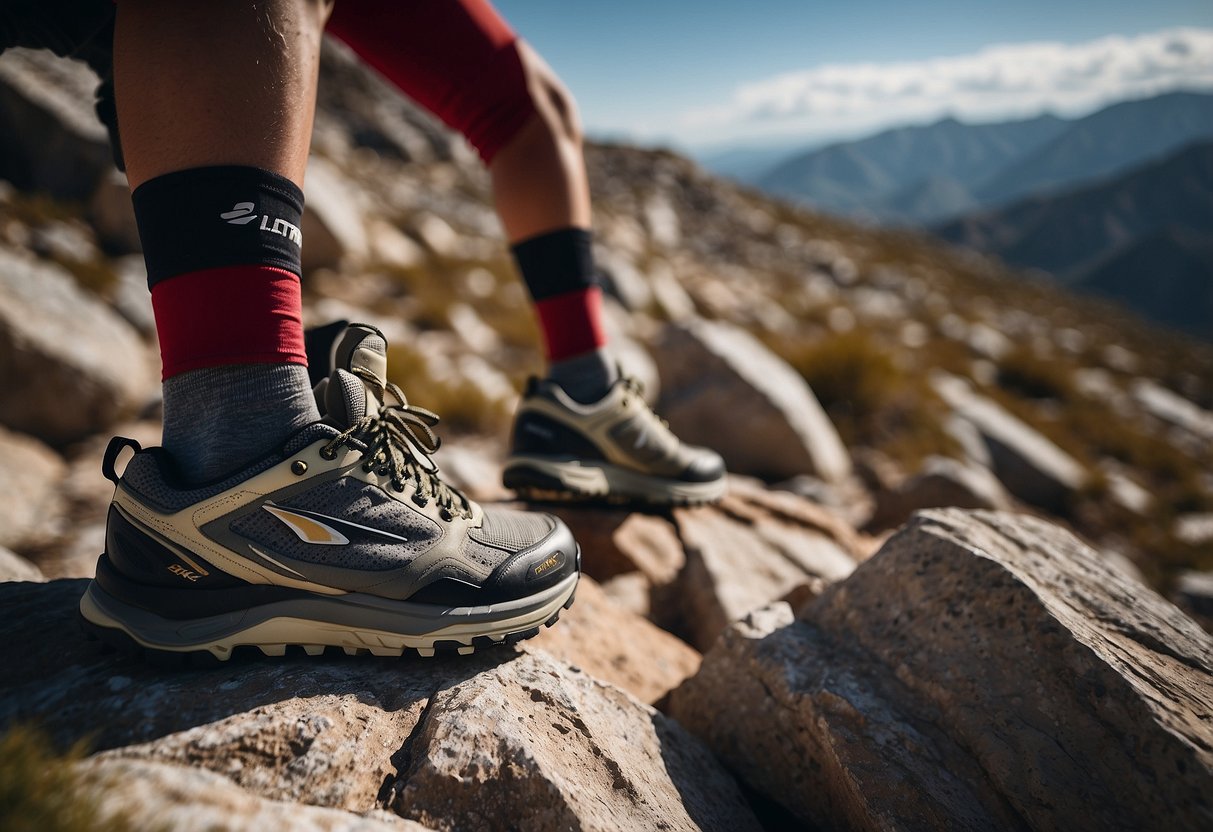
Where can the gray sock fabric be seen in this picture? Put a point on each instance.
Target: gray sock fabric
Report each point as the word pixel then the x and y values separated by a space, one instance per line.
pixel 586 377
pixel 219 418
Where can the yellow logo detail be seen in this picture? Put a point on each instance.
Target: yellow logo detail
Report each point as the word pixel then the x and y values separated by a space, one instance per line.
pixel 550 563
pixel 307 529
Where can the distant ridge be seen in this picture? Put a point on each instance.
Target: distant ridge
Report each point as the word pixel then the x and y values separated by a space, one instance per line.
pixel 923 175
pixel 1144 237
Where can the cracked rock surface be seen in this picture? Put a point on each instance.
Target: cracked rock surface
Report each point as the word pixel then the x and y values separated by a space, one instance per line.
pixel 453 743
pixel 983 670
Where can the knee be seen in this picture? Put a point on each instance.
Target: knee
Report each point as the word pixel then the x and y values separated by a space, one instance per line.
pixel 554 104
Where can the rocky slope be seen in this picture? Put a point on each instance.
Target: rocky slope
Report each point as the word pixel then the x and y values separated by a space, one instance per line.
pixel 979 669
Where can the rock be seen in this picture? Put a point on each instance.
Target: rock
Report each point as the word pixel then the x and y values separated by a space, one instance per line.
pixel 1030 466
pixel 941 483
pixel 615 542
pixel 740 557
pixel 130 296
pixel 151 795
pixel 30 476
pixel 113 216
pixel 662 220
pixel 630 591
pixel 617 646
pixel 668 294
pixel 455 743
pixel 1194 529
pixel 717 378
pixel 55 338
pixel 437 235
pixel 61 147
pixel 13 567
pixel 1125 491
pixel 983 670
pixel 1173 409
pixel 333 229
pixel 621 279
pixel 391 247
pixel 1193 593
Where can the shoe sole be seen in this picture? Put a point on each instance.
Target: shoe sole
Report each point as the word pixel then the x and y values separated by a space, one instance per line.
pixel 355 623
pixel 539 478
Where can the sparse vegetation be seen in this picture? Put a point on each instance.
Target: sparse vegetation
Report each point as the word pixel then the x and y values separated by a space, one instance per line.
pixel 40 791
pixel 872 400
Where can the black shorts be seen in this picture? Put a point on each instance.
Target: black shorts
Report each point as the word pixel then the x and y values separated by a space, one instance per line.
pixel 80 29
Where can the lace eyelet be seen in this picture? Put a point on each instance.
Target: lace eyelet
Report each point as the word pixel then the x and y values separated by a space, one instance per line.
pixel 419 500
pixel 326 453
pixel 367 468
pixel 446 515
pixel 398 487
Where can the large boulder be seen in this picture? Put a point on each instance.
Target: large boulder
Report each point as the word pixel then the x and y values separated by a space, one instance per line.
pixel 69 364
pixel 30 478
pixel 60 147
pixel 722 388
pixel 498 739
pixel 983 670
pixel 1031 467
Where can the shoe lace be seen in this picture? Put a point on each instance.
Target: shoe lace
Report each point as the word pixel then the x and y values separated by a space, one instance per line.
pixel 635 387
pixel 399 440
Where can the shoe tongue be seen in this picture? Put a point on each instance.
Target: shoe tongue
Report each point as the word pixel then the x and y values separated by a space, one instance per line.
pixel 364 348
pixel 347 399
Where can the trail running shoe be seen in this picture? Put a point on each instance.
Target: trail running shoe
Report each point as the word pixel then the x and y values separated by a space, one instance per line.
pixel 345 538
pixel 615 449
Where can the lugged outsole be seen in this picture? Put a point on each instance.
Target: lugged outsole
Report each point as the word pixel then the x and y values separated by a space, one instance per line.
pixel 533 484
pixel 123 643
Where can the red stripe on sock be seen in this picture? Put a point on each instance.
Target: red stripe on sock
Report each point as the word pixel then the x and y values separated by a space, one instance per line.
pixel 233 315
pixel 572 323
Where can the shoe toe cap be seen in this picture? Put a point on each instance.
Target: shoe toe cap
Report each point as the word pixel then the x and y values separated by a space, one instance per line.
pixel 539 566
pixel 706 466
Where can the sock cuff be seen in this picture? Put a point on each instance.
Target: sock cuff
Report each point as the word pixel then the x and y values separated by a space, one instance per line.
pixel 235 315
pixel 556 262
pixel 572 323
pixel 215 217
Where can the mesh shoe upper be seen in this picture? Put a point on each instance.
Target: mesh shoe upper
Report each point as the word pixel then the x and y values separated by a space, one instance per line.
pixel 350 504
pixel 619 429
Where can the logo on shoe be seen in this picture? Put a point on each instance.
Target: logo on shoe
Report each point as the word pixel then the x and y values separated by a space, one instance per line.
pixel 312 527
pixel 308 529
pixel 242 214
pixel 549 564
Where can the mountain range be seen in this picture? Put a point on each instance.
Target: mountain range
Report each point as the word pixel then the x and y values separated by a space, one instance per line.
pixel 1117 203
pixel 1144 237
pixel 923 175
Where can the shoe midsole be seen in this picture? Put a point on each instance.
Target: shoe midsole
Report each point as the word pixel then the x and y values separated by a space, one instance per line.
pixel 591 477
pixel 351 620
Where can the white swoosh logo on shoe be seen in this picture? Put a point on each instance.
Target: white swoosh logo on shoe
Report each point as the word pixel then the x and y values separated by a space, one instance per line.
pixel 312 527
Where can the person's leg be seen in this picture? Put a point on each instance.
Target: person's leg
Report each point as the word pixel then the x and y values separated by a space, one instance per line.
pixel 463 62
pixel 215 105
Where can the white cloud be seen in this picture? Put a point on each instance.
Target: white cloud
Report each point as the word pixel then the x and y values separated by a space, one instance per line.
pixel 1000 81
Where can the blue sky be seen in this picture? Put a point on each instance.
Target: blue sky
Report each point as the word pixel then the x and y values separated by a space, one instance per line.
pixel 696 74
